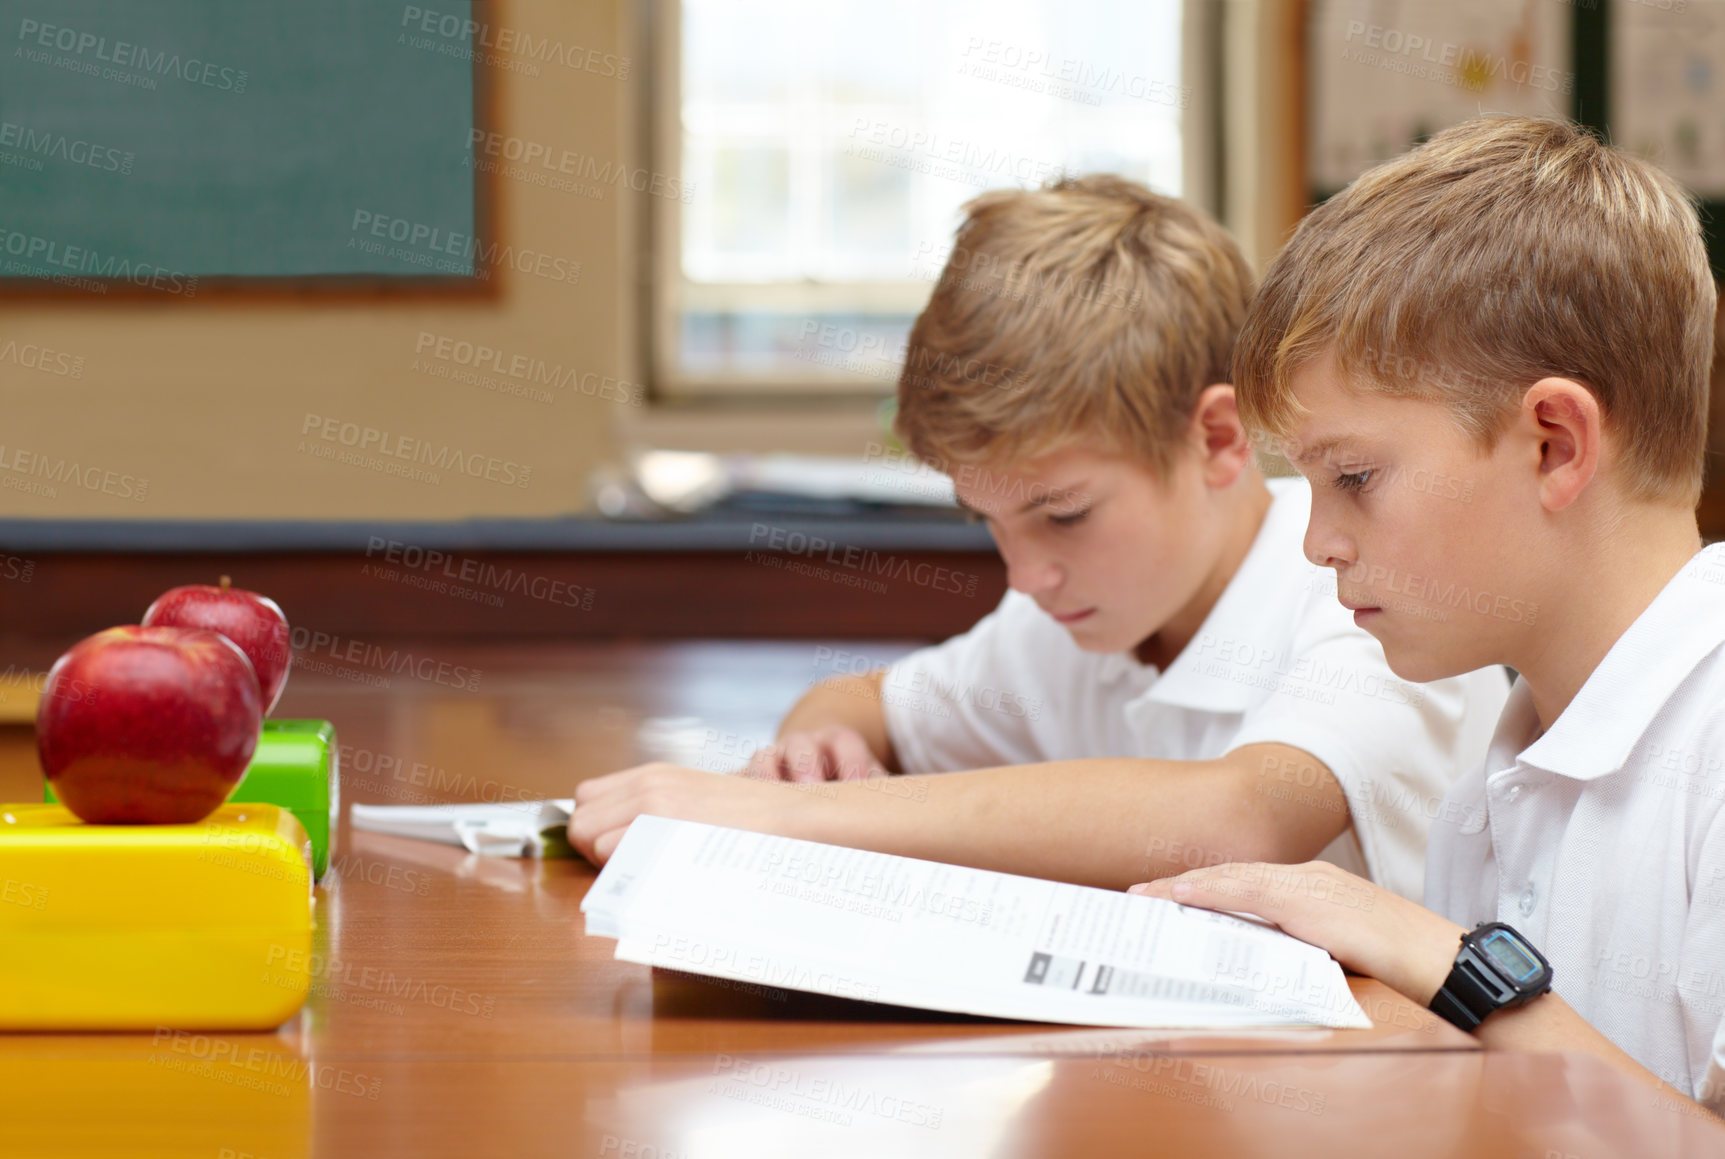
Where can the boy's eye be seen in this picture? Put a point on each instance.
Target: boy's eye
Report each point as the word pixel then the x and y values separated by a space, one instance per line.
pixel 1069 519
pixel 1353 482
pixel 971 516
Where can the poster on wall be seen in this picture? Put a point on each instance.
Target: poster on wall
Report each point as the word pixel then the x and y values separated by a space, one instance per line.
pixel 1666 101
pixel 1386 74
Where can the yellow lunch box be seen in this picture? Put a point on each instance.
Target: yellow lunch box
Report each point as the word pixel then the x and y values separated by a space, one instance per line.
pixel 204 926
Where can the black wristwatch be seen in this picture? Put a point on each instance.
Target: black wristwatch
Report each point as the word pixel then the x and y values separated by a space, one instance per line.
pixel 1496 967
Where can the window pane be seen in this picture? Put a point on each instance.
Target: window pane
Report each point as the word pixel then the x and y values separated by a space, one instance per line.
pixel 832 145
pixel 867 222
pixel 746 234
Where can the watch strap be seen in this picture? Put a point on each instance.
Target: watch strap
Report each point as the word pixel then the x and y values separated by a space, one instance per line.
pixel 1461 1000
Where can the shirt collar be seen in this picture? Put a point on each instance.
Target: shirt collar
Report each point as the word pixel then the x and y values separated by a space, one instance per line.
pixel 1517 728
pixel 1596 733
pixel 1115 666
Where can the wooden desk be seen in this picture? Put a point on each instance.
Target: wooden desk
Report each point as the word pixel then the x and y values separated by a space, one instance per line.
pixel 459 1010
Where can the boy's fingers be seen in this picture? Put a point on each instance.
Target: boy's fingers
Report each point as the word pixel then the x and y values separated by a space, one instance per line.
pixel 830 754
pixel 596 848
pixel 763 764
pixel 607 844
pixel 802 759
pixel 1235 886
pixel 1358 923
pixel 595 789
pixel 853 760
pixel 583 830
pixel 578 838
pixel 594 819
pixel 595 830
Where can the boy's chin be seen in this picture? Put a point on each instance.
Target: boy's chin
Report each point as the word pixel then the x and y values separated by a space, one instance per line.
pixel 1095 638
pixel 1418 663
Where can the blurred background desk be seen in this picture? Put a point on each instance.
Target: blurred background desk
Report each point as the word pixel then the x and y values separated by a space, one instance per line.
pixel 727 573
pixel 458 1010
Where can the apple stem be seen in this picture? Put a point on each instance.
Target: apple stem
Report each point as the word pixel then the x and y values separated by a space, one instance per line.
pixel 225 582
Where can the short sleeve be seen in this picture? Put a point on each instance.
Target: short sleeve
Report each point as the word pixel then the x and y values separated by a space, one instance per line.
pixel 1395 747
pixel 1710 1087
pixel 1701 983
pixel 974 701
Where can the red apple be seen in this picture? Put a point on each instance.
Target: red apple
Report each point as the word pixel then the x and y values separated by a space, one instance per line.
pixel 252 621
pixel 142 726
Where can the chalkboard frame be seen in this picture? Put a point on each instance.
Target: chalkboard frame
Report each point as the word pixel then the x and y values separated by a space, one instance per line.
pixel 323 288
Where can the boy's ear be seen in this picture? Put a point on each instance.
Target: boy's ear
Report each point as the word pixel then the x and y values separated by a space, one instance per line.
pixel 1220 436
pixel 1563 416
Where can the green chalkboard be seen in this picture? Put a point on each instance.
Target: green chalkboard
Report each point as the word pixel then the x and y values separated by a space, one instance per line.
pixel 155 141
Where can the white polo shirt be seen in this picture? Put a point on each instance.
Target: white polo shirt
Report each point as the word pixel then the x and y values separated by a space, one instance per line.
pixel 1603 840
pixel 1277 659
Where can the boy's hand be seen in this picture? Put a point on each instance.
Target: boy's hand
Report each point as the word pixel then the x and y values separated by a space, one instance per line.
pixel 604 806
pixel 1364 926
pixel 833 753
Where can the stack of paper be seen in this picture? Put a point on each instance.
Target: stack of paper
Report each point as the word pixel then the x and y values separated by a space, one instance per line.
pixel 805 916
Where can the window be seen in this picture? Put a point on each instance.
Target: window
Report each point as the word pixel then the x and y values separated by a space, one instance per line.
pixel 825 149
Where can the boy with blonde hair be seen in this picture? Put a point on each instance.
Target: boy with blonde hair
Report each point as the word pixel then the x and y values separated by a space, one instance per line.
pixel 1168 683
pixel 1518 305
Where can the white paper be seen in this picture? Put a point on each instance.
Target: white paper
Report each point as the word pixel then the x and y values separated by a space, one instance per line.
pixel 800 915
pixel 511 829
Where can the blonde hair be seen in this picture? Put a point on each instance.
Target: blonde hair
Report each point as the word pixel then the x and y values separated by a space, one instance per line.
pixel 1092 309
pixel 1500 252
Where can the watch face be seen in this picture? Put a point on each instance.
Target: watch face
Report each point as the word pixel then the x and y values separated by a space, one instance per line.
pixel 1508 952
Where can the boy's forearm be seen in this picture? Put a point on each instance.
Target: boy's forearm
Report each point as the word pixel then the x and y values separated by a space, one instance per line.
pixel 1402 944
pixel 851 701
pixel 1549 1024
pixel 1108 823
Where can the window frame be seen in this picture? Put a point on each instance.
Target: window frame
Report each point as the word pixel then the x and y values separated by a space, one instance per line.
pixel 1200 54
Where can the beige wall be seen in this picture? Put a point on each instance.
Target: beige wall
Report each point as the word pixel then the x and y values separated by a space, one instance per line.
pixel 206 399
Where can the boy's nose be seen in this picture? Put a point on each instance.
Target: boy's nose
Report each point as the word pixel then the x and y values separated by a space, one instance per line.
pixel 1031 576
pixel 1327 547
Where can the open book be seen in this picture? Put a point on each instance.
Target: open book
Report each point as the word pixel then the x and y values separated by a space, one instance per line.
pixel 778 912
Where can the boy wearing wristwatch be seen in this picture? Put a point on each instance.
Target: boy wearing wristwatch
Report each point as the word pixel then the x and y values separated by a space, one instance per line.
pixel 1521 306
pixel 1168 683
